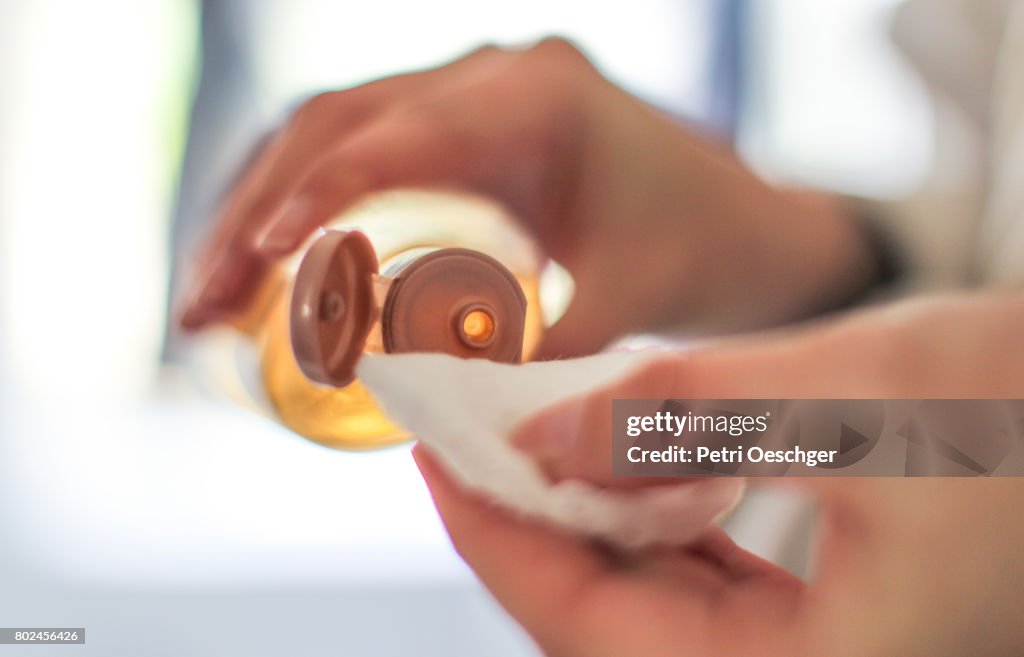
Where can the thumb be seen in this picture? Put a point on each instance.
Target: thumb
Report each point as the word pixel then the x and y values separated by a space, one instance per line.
pixel 587 326
pixel 572 439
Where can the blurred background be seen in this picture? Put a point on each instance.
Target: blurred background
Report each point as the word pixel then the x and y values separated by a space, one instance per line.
pixel 170 523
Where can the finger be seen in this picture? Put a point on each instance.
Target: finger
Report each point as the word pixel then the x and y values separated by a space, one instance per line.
pixel 532 570
pixel 566 593
pixel 499 135
pixel 406 151
pixel 217 298
pixel 326 121
pixel 390 154
pixel 227 272
pixel 587 326
pixel 210 285
pixel 578 599
pixel 573 438
pixel 718 547
pixel 615 293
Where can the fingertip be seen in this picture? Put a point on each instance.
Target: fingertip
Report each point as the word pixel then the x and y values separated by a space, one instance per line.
pixel 584 330
pixel 552 434
pixel 441 487
pixel 193 318
pixel 572 439
pixel 424 461
pixel 226 291
pixel 201 313
pixel 202 310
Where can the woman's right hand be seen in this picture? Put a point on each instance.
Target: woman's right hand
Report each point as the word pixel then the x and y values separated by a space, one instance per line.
pixel 659 227
pixel 916 566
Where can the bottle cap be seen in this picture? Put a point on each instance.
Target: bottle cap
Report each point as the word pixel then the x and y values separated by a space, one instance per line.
pixel 332 306
pixel 455 301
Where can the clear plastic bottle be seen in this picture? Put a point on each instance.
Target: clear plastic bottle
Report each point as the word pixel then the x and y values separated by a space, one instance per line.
pixel 403 271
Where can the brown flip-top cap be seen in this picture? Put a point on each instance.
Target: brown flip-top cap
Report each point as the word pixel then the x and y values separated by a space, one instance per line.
pixel 455 301
pixel 332 306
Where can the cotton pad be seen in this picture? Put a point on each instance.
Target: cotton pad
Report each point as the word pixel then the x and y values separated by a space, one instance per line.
pixel 465 411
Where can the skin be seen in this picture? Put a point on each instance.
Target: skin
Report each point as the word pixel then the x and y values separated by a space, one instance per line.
pixel 904 566
pixel 617 192
pixel 662 228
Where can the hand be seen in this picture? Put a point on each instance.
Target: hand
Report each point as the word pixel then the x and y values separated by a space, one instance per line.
pixel 658 226
pixel 578 599
pixel 905 567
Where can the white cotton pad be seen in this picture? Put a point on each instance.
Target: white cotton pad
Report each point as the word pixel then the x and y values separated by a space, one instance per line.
pixel 465 410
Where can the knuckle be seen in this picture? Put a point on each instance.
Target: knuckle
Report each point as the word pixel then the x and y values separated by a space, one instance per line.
pixel 442 122
pixel 348 172
pixel 317 106
pixel 558 49
pixel 485 50
pixel 262 209
pixel 561 66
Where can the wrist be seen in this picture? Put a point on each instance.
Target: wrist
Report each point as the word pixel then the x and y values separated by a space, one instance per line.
pixel 769 257
pixel 840 256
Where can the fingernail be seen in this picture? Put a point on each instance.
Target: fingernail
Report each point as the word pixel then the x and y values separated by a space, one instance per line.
pixel 193 317
pixel 201 309
pixel 217 288
pixel 418 456
pixel 554 434
pixel 285 231
pixel 213 292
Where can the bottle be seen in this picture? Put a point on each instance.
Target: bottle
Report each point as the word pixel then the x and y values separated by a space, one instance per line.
pixel 404 271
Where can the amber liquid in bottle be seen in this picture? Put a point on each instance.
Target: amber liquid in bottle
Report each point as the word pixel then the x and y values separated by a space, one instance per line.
pixel 347 417
pixel 399 226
